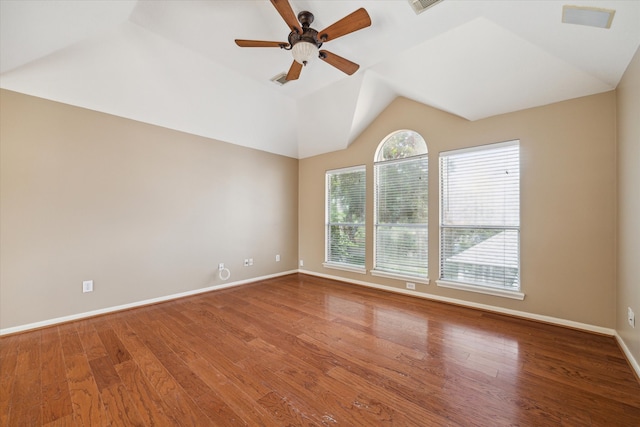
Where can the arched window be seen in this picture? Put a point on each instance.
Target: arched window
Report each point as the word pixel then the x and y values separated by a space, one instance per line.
pixel 401 206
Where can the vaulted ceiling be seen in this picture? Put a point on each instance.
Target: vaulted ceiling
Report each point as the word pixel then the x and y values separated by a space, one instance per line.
pixel 175 64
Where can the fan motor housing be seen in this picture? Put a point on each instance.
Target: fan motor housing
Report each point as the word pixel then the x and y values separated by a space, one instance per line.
pixel 309 34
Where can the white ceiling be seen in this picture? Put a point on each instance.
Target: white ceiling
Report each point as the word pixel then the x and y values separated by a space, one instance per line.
pixel 175 63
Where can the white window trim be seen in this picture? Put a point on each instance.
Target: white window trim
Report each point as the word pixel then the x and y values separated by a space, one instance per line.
pixel 344 267
pixel 481 289
pixel 417 279
pixel 480 147
pixel 347 169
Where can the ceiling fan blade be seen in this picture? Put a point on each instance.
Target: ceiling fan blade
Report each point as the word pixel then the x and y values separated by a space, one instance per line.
pixel 339 62
pixel 284 9
pixel 350 23
pixel 294 71
pixel 260 43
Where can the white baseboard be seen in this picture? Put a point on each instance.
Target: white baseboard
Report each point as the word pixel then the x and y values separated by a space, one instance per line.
pixel 632 361
pixel 57 320
pixel 515 313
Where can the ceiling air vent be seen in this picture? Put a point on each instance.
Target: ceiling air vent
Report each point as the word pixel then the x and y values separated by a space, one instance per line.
pixel 591 16
pixel 280 79
pixel 420 6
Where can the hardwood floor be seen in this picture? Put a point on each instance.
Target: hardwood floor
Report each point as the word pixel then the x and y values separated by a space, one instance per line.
pixel 300 350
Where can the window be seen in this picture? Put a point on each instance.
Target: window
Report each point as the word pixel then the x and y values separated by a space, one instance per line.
pixel 345 219
pixel 480 217
pixel 401 206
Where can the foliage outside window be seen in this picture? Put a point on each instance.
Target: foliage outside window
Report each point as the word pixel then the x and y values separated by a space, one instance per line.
pixel 345 218
pixel 401 205
pixel 480 216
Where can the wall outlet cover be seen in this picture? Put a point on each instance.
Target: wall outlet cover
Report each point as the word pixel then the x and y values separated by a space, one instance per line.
pixel 87 286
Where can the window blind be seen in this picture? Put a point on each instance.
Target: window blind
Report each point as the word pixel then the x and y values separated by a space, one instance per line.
pixel 480 215
pixel 345 216
pixel 401 212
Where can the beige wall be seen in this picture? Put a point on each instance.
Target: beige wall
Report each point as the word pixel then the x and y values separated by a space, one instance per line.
pixel 141 210
pixel 147 212
pixel 628 273
pixel 568 185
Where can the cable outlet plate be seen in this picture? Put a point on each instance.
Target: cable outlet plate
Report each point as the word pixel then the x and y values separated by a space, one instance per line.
pixel 631 317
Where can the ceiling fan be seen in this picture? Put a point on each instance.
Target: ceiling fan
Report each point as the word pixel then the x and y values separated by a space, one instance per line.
pixel 305 42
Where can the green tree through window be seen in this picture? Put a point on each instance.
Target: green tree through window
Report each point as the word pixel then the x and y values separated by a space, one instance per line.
pixel 400 145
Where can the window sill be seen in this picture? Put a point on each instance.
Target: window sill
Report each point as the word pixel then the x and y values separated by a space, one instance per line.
pixel 345 267
pixel 481 290
pixel 416 279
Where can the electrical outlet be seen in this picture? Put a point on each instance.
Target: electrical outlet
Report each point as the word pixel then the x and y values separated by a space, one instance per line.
pixel 87 286
pixel 278 258
pixel 301 263
pixel 250 261
pixel 411 285
pixel 631 317
pixel 221 266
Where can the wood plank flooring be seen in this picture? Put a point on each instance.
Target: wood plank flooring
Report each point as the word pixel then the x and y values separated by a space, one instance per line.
pixel 304 351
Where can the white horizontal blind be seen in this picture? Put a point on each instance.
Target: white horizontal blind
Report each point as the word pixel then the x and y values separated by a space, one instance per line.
pixel 401 208
pixel 345 216
pixel 480 216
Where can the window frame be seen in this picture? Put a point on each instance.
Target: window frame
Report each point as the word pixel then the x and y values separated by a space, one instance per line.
pixel 355 268
pixel 515 293
pixel 422 227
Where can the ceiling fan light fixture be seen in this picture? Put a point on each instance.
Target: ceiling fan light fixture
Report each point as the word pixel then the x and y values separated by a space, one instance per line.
pixel 305 42
pixel 304 51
